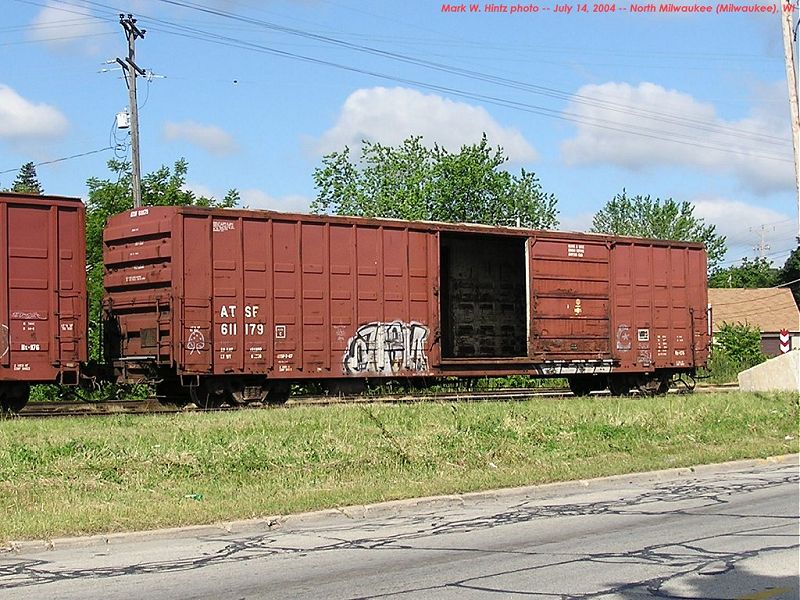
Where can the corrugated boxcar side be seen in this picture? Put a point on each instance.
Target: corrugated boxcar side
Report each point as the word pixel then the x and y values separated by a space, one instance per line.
pixel 640 303
pixel 659 308
pixel 569 280
pixel 296 297
pixel 256 293
pixel 139 270
pixel 42 288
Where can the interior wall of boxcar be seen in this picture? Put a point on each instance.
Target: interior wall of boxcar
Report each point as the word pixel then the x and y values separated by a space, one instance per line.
pixel 483 296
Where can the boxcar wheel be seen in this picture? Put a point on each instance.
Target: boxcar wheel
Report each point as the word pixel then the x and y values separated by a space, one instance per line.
pixel 170 391
pixel 655 385
pixel 14 397
pixel 619 385
pixel 279 393
pixel 210 394
pixel 581 385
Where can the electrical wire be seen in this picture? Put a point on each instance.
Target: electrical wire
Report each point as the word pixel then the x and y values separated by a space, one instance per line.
pixel 547 91
pixel 58 160
pixel 694 124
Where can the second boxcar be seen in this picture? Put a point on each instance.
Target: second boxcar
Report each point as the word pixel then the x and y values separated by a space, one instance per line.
pixel 42 294
pixel 233 306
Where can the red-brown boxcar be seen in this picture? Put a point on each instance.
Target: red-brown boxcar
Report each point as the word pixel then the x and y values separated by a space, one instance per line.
pixel 237 304
pixel 42 293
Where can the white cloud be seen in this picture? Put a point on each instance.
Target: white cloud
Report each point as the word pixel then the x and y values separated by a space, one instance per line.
pixel 390 115
pixel 64 28
pixel 576 222
pixel 740 222
pixel 198 189
pixel 740 147
pixel 211 138
pixel 22 120
pixel 256 199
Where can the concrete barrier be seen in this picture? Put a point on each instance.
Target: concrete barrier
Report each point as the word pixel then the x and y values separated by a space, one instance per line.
pixel 781 373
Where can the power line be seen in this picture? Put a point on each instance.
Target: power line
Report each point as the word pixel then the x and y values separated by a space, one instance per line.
pixel 522 106
pixel 58 160
pixel 681 120
pixel 659 134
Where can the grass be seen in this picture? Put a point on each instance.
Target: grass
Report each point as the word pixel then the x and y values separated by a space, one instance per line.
pixel 725 369
pixel 88 475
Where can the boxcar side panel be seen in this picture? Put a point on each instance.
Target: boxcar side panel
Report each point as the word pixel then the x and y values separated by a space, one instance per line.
pixel 193 317
pixel 286 297
pixel 257 286
pixel 43 300
pixel 296 297
pixel 658 306
pixel 569 287
pixel 384 321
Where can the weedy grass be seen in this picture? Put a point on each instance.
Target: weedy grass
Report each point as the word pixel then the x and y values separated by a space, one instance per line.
pixel 89 475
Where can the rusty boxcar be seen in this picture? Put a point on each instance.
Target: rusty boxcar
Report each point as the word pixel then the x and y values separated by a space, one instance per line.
pixel 234 305
pixel 42 293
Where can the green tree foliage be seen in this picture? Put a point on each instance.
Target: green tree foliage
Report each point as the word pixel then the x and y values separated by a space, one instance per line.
pixel 739 342
pixel 108 197
pixel 412 181
pixel 736 347
pixel 27 181
pixel 757 273
pixel 643 216
pixel 790 273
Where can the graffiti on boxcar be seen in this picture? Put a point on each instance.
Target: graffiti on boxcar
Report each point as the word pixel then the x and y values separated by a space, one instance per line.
pixel 4 340
pixel 196 341
pixel 387 348
pixel 623 338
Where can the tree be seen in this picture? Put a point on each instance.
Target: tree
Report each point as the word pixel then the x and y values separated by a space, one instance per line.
pixel 412 181
pixel 790 274
pixel 642 216
pixel 741 343
pixel 26 181
pixel 757 273
pixel 108 197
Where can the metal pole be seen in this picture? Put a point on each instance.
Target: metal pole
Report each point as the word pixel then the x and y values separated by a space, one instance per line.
pixel 796 129
pixel 131 71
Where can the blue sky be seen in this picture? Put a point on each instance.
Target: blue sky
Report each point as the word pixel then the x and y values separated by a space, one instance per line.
pixel 253 93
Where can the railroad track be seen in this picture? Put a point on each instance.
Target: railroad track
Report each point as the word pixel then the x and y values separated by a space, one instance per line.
pixel 152 406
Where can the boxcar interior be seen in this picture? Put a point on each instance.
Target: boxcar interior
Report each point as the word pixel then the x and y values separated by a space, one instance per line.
pixel 483 296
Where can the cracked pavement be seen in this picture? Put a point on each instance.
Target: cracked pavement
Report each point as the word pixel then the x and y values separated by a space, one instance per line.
pixel 724 532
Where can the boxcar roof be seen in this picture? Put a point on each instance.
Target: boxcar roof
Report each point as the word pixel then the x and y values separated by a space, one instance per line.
pixel 434 225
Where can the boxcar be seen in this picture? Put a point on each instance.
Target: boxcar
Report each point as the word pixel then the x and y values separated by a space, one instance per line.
pixel 234 305
pixel 42 293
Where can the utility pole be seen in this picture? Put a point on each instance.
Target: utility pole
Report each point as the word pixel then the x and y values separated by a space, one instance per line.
pixel 788 11
pixel 763 246
pixel 131 70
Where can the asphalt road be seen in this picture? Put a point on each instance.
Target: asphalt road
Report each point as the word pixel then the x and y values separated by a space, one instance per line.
pixel 728 531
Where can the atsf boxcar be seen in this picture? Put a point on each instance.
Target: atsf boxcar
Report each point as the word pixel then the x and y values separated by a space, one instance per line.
pixel 234 305
pixel 42 293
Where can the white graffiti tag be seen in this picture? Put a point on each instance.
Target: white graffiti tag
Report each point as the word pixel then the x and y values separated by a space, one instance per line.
pixel 387 348
pixel 196 341
pixel 4 340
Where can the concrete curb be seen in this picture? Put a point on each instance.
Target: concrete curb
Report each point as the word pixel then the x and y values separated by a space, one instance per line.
pixel 391 508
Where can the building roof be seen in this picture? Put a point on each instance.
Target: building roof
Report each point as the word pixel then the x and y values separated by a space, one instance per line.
pixel 770 309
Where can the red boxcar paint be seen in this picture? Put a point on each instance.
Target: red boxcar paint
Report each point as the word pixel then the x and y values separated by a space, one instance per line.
pixel 233 292
pixel 659 316
pixel 42 288
pixel 238 292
